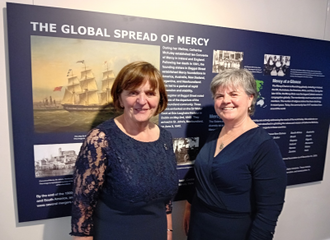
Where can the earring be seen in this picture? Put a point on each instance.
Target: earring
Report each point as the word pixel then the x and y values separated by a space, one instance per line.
pixel 249 109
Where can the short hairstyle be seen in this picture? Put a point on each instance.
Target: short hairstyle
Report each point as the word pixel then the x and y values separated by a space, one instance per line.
pixel 236 78
pixel 132 76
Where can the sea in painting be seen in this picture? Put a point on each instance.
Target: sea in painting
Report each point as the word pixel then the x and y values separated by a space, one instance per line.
pixel 48 121
pixel 51 121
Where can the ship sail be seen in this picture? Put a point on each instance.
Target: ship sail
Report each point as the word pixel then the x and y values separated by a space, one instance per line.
pixel 73 80
pixel 87 81
pixel 107 82
pixel 89 98
pixel 70 98
pixel 87 73
pixel 83 94
pixel 71 91
pixel 74 85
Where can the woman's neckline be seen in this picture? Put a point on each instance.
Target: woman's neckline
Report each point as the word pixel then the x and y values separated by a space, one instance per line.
pixel 235 139
pixel 121 128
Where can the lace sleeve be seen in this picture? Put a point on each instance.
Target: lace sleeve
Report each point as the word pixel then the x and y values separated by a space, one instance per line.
pixel 168 207
pixel 88 179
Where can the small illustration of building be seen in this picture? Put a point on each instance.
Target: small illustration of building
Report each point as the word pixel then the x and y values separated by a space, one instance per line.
pixel 65 161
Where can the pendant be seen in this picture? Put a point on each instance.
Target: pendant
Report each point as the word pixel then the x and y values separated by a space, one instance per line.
pixel 221 146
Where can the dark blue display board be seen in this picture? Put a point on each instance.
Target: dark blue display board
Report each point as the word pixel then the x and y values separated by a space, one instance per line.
pixel 62 63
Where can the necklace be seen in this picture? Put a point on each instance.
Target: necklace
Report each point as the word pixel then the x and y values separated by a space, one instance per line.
pixel 221 146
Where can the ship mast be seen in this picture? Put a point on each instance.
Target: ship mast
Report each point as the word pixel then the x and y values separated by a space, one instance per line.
pixel 89 87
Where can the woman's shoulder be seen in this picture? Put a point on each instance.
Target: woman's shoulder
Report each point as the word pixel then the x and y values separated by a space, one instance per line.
pixel 263 134
pixel 213 135
pixel 106 125
pixel 261 139
pixel 254 138
pixel 102 130
pixel 258 133
pixel 164 132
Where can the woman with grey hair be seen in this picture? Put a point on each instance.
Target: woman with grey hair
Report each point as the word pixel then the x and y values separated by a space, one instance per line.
pixel 240 173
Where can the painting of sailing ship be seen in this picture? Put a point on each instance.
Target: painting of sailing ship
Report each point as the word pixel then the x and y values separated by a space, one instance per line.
pixel 72 80
pixel 82 94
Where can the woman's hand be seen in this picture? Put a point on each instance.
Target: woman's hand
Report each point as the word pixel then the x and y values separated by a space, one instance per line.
pixel 169 226
pixel 82 238
pixel 169 235
pixel 186 218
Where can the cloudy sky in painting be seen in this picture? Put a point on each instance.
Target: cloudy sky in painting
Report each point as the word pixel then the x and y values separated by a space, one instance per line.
pixel 52 58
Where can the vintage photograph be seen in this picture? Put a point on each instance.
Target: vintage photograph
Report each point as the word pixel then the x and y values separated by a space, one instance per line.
pixel 55 159
pixel 226 60
pixel 186 149
pixel 276 65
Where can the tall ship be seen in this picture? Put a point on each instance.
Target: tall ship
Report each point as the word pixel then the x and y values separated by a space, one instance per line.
pixel 107 82
pixel 82 94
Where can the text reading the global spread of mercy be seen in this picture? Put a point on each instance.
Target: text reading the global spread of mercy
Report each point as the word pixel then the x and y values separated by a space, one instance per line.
pixel 117 33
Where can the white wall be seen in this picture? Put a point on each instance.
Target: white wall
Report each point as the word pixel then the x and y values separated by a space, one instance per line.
pixel 306 213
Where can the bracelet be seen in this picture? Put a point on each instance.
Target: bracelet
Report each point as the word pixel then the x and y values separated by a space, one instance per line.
pixel 170 230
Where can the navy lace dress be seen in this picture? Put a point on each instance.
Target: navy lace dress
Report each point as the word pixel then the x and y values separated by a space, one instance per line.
pixel 123 187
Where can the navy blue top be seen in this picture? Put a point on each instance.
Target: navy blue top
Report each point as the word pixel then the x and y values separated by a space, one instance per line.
pixel 127 176
pixel 247 176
